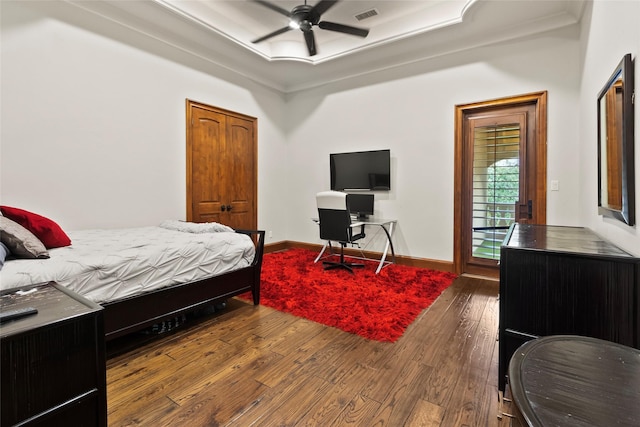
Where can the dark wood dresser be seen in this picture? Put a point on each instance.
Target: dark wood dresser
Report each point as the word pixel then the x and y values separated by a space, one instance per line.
pixel 557 280
pixel 53 370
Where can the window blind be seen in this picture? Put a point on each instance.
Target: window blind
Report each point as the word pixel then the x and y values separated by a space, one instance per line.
pixel 496 186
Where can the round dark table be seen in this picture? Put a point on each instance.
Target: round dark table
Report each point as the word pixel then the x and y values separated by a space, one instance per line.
pixel 567 380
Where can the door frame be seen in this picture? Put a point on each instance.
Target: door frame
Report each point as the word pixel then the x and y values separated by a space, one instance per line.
pixel 539 100
pixel 190 104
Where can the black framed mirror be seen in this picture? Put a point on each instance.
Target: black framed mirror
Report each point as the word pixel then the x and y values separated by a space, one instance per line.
pixel 616 181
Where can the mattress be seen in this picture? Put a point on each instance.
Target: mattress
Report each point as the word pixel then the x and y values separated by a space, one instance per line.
pixel 108 265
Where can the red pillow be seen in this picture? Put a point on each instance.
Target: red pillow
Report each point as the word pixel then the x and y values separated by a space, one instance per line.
pixel 47 231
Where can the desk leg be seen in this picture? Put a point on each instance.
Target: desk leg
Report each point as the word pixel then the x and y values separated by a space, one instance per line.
pixel 326 245
pixel 389 234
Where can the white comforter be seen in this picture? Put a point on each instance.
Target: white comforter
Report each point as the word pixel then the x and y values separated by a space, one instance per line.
pixel 106 265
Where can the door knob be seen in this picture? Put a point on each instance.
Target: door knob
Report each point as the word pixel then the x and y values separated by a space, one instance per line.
pixel 223 208
pixel 229 207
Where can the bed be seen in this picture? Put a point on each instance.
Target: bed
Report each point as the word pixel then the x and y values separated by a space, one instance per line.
pixel 144 275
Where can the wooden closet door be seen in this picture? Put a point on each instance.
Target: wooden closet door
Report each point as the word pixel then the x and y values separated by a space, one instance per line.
pixel 221 167
pixel 239 174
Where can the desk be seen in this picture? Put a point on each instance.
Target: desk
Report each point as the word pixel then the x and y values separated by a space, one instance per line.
pixel 575 380
pixel 387 225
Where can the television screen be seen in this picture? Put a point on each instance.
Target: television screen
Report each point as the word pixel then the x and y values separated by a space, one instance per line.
pixel 362 170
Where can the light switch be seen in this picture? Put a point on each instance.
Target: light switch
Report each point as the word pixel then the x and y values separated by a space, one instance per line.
pixel 554 185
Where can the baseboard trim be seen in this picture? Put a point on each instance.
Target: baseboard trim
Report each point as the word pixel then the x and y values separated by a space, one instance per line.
pixel 400 259
pixel 275 247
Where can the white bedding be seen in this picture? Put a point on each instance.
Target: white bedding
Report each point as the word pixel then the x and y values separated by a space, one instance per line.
pixel 107 265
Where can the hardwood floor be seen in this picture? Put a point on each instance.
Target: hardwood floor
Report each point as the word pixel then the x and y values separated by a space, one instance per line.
pixel 256 366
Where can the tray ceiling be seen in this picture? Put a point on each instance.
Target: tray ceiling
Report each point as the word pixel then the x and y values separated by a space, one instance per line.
pixel 221 33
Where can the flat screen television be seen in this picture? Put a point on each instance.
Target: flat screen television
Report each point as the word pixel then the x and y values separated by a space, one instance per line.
pixel 361 170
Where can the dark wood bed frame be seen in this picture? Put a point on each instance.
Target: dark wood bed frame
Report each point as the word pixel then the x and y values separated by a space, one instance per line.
pixel 135 313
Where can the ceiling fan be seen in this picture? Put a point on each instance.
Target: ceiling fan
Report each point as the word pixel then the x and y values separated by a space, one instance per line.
pixel 304 17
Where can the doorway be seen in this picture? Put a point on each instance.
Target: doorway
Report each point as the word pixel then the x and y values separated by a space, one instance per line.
pixel 221 166
pixel 500 176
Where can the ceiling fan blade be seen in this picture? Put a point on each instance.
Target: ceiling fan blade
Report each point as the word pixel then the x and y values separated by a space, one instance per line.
pixel 341 28
pixel 322 6
pixel 273 34
pixel 274 7
pixel 311 42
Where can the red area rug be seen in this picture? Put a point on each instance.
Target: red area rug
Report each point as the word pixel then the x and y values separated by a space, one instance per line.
pixel 378 307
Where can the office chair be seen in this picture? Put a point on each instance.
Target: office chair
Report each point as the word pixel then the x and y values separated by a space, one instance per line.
pixel 335 225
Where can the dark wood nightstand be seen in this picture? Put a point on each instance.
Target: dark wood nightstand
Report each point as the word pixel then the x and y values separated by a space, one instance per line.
pixel 53 369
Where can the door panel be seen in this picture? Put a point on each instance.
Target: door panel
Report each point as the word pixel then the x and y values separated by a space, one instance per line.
pixel 241 171
pixel 208 135
pixel 221 167
pixel 495 149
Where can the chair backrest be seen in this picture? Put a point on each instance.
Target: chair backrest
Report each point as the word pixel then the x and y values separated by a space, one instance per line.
pixel 335 221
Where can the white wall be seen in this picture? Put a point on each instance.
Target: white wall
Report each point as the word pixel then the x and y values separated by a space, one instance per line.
pixel 610 30
pixel 93 130
pixel 411 111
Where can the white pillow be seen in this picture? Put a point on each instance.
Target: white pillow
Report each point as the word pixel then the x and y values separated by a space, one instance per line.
pixel 21 242
pixel 192 227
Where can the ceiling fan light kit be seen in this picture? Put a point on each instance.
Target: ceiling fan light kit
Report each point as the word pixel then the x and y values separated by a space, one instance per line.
pixel 305 17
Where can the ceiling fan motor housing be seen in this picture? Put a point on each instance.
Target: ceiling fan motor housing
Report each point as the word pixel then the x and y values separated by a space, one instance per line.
pixel 305 17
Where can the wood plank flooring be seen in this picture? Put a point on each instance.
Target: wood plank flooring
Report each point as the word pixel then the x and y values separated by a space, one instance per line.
pixel 255 366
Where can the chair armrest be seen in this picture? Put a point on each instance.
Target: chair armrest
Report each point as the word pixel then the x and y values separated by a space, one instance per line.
pixel 360 235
